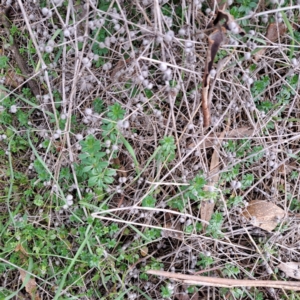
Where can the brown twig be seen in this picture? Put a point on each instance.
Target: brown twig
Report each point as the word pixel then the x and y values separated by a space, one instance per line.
pixel 214 41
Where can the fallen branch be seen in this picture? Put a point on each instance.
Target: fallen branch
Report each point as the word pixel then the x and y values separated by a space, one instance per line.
pixel 227 283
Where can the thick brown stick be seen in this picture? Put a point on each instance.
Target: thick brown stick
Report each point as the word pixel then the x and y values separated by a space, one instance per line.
pixel 228 283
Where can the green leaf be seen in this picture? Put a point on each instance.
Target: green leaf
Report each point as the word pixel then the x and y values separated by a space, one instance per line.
pixel 3 62
pixel 167 148
pixel 215 225
pixel 234 201
pixel 177 203
pixel 259 86
pixel 205 261
pixel 247 180
pixel 110 172
pixel 166 292
pixel 38 200
pixel 230 270
pixel 93 180
pixel 148 93
pixel 108 180
pixel 98 105
pixel 115 112
pixel 87 168
pixel 149 201
pixel 130 150
pixel 90 144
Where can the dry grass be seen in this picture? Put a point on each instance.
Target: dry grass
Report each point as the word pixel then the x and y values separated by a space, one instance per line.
pixel 149 57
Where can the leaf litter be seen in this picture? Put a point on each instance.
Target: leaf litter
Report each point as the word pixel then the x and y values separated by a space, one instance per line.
pixel 211 140
pixel 264 214
pixel 30 283
pixel 291 269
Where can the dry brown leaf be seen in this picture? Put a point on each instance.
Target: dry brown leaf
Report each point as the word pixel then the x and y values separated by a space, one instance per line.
pixel 211 140
pixel 263 214
pixel 22 252
pixel 119 69
pixel 175 231
pixel 12 79
pixel 30 285
pixel 173 226
pixel 291 269
pixel 285 169
pixel 20 248
pixel 121 171
pixel 144 251
pixel 240 132
pixel 274 31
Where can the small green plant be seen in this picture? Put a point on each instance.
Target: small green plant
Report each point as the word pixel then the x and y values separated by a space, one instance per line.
pixel 255 155
pixel 115 112
pixel 42 172
pixel 109 128
pixel 259 86
pixel 152 233
pixel 265 106
pixel 235 293
pixel 247 180
pixel 166 292
pixel 287 90
pixel 93 166
pixel 232 174
pixel 205 261
pixel 148 201
pixel 234 201
pixel 294 175
pixel 178 203
pixel 259 296
pixel 167 150
pixel 246 6
pixel 192 289
pixel 230 270
pixel 195 191
pixel 194 228
pixel 98 105
pixel 215 226
pixel 152 265
pixel 3 62
pixel 99 47
pixel 38 200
